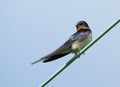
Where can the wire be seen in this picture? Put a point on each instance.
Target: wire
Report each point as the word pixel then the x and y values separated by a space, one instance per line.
pixel 79 54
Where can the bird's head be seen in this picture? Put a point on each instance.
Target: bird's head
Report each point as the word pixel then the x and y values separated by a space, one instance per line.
pixel 82 25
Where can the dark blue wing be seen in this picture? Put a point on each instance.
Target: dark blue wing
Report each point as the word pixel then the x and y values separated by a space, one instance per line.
pixel 78 35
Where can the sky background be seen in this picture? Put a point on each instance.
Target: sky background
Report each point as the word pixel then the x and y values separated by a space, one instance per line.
pixel 30 29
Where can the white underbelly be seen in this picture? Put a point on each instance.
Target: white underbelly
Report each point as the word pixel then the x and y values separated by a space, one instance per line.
pixel 79 44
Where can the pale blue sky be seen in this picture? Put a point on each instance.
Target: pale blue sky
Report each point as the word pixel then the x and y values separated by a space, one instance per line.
pixel 30 29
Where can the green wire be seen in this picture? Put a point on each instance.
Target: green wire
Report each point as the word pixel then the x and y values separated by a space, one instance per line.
pixel 78 55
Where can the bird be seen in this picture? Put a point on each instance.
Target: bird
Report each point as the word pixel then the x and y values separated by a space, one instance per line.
pixel 74 44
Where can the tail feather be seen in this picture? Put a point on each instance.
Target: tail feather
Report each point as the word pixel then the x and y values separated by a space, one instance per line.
pixel 53 57
pixel 49 58
pixel 36 61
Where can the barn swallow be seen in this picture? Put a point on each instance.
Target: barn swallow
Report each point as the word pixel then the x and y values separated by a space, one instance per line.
pixel 73 45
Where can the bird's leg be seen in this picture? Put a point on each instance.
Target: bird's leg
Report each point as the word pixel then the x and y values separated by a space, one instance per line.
pixel 79 52
pixel 83 53
pixel 76 53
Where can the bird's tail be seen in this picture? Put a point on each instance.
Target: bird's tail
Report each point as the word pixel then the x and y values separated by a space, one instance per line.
pixel 36 61
pixel 50 57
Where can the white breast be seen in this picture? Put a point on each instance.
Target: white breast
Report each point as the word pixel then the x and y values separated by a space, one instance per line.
pixel 80 43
